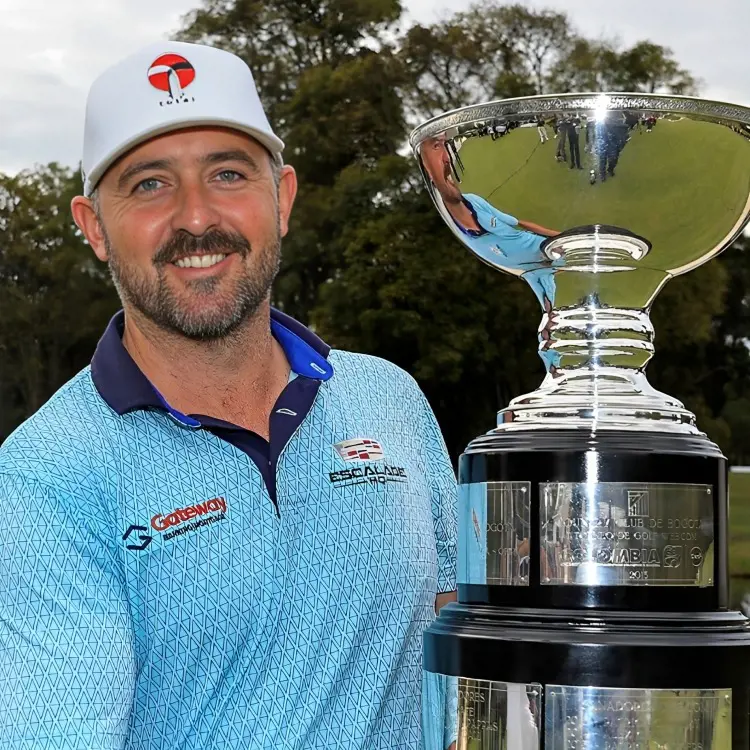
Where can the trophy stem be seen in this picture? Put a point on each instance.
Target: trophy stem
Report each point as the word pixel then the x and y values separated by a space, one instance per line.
pixel 596 358
pixel 592 337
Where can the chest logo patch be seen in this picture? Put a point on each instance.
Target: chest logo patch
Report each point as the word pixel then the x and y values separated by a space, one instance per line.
pixel 360 449
pixel 365 450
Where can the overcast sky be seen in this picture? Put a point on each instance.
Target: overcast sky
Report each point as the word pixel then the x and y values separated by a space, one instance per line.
pixel 51 50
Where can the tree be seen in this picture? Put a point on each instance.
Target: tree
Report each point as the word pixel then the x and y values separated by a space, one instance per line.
pixel 598 65
pixel 486 52
pixel 368 261
pixel 650 68
pixel 54 296
pixel 281 39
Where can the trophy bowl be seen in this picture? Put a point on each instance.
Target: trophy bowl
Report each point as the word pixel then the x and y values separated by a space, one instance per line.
pixel 596 201
pixel 593 604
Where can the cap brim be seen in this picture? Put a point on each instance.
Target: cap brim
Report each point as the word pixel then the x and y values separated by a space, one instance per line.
pixel 273 144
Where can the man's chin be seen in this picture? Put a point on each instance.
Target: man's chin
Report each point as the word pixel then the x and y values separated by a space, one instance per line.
pixel 206 329
pixel 201 320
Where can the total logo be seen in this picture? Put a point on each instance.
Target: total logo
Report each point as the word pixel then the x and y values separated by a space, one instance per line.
pixel 173 74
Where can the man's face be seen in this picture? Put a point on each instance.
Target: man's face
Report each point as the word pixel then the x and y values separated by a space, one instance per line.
pixel 437 162
pixel 191 225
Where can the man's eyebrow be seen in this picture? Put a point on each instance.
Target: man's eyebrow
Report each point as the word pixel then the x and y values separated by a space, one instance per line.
pixel 138 167
pixel 233 155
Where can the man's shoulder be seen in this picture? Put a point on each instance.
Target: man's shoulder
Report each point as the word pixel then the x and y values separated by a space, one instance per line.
pixel 354 365
pixel 475 200
pixel 64 438
pixel 372 373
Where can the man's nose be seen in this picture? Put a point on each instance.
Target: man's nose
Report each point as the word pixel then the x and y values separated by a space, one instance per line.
pixel 195 212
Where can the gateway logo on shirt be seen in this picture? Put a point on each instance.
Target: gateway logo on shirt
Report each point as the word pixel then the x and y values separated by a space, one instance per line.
pixel 365 449
pixel 176 517
pixel 217 505
pixel 200 515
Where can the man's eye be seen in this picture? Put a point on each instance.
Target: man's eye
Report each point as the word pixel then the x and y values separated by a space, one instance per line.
pixel 148 185
pixel 229 175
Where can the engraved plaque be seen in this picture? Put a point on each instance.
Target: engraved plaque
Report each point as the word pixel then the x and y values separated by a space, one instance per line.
pixel 498 715
pixel 594 718
pixel 627 534
pixel 494 533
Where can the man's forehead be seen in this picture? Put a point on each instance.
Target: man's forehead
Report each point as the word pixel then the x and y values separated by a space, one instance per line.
pixel 189 145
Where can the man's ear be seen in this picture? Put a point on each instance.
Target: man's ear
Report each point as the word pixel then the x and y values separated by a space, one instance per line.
pixel 287 194
pixel 86 219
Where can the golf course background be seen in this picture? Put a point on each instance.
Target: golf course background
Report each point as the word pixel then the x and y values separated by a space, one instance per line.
pixel 739 534
pixel 683 186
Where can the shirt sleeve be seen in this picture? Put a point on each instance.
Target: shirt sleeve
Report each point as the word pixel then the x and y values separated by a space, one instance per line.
pixel 67 666
pixel 511 221
pixel 444 498
pixel 439 711
pixel 485 205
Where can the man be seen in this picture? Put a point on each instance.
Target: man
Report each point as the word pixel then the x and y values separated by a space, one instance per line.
pixel 496 237
pixel 562 132
pixel 499 239
pixel 541 129
pixel 573 138
pixel 607 149
pixel 223 534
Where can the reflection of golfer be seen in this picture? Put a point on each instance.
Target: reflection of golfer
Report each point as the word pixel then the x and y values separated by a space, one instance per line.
pixel 503 240
pixel 496 237
pixel 542 130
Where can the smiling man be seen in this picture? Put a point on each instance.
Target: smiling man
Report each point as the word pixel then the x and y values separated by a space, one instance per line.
pixel 223 534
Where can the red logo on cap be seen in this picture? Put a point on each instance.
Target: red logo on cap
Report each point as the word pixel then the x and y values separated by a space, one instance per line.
pixel 171 73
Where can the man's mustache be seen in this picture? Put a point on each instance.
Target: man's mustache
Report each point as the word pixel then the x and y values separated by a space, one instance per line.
pixel 183 244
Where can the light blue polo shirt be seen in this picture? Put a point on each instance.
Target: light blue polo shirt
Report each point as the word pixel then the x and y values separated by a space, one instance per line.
pixel 154 596
pixel 502 243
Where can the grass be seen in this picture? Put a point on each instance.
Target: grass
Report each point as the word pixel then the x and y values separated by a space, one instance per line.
pixel 682 186
pixel 739 524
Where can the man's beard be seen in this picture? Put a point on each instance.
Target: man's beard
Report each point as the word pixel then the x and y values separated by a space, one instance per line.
pixel 157 301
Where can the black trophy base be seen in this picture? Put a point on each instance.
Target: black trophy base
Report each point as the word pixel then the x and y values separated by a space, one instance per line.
pixel 658 675
pixel 615 459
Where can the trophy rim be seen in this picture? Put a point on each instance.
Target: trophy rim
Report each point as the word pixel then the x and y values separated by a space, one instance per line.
pixel 711 109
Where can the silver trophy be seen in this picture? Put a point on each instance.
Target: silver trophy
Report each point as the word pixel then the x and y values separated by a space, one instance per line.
pixel 593 576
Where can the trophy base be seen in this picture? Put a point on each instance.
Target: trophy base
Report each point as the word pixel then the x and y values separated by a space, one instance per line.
pixel 528 679
pixel 609 398
pixel 612 521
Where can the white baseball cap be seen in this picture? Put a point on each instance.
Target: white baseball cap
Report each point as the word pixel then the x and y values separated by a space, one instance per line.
pixel 168 86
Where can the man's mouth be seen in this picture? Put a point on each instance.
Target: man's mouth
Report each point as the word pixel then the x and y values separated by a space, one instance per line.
pixel 200 261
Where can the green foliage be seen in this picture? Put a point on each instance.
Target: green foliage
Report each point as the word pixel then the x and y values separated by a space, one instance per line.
pixel 598 65
pixel 368 261
pixel 54 298
pixel 739 526
pixel 281 39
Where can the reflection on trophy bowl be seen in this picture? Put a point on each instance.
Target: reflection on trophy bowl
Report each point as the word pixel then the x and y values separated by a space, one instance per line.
pixel 592 577
pixel 596 201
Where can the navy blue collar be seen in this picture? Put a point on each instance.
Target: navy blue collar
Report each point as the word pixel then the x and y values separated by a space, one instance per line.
pixel 125 388
pixel 471 232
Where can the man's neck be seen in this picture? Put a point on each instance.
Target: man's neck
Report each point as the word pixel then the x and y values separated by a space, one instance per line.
pixel 463 215
pixel 237 379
